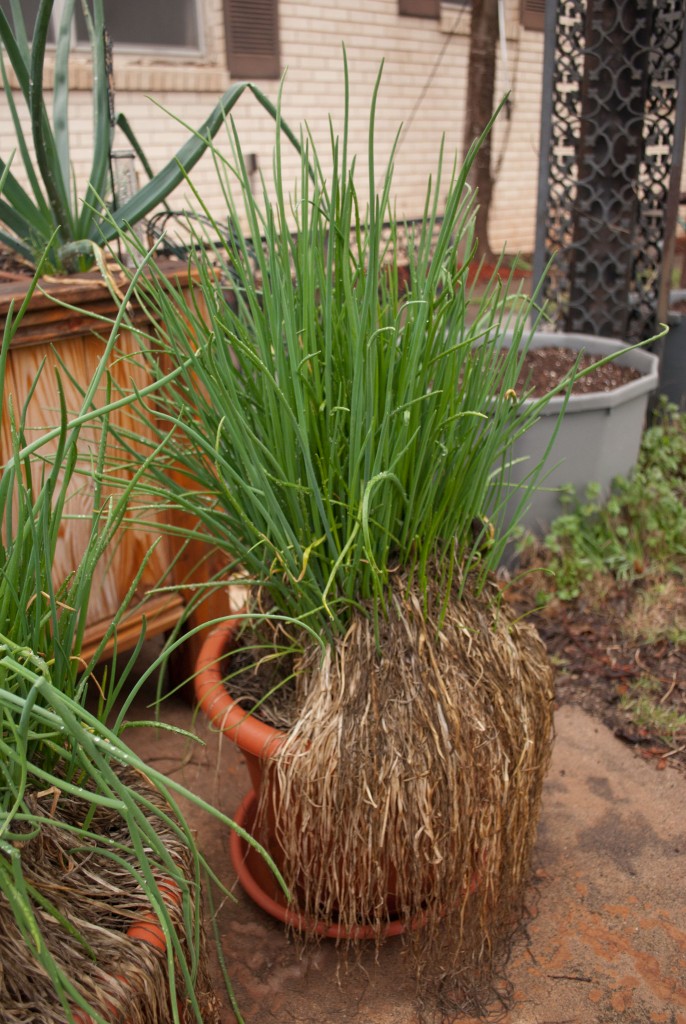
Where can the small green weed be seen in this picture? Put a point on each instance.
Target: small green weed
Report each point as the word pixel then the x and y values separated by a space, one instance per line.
pixel 640 529
pixel 658 613
pixel 642 701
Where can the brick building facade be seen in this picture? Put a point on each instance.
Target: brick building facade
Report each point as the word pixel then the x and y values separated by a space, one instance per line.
pixel 424 87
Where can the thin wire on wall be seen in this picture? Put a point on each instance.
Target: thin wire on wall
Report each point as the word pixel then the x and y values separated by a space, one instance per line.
pixel 450 32
pixel 432 74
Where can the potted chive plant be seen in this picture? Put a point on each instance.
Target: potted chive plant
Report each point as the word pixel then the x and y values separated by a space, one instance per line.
pixel 99 873
pixel 343 443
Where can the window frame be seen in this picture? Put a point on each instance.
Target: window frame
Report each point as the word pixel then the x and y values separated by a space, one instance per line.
pixel 152 50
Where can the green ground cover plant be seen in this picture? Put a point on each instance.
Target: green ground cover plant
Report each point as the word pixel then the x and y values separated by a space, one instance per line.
pixel 609 585
pixel 643 702
pixel 640 530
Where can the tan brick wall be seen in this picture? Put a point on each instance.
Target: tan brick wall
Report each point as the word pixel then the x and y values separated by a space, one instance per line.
pixel 424 85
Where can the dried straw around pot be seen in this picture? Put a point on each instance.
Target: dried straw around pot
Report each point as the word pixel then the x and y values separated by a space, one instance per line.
pixel 417 767
pixel 128 979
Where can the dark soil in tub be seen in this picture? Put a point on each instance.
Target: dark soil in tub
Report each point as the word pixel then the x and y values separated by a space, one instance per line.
pixel 545 367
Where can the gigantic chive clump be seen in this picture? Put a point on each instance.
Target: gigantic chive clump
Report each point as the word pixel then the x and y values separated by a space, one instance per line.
pixel 343 438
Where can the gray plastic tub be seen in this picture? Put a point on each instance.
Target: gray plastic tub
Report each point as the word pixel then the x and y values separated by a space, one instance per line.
pixel 599 436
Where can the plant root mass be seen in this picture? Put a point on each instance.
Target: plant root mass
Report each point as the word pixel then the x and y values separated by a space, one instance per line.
pixel 430 742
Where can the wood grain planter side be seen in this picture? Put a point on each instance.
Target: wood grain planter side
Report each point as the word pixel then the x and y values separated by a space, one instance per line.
pixel 71 342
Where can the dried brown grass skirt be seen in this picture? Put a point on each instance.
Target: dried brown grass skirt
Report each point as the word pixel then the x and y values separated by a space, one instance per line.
pixel 416 766
pixel 125 979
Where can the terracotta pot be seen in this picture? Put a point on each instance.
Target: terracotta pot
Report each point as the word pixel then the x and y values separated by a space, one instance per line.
pixel 256 739
pixel 148 928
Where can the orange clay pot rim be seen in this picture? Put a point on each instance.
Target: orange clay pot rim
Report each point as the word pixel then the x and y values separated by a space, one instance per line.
pixel 247 731
pixel 239 851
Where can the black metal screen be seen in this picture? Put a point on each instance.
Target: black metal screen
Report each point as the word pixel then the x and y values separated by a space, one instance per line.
pixel 611 141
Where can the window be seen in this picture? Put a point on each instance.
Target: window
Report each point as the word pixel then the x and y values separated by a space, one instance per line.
pixel 252 38
pixel 169 24
pixel 532 14
pixel 29 10
pixel 420 8
pixel 431 8
pixel 152 24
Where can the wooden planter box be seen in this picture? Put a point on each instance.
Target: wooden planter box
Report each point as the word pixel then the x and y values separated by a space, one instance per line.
pixel 49 338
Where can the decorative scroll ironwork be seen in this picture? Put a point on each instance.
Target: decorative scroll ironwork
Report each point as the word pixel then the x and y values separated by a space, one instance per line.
pixel 608 136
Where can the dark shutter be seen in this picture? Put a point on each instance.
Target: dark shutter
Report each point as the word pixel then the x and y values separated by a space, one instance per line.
pixel 420 8
pixel 252 38
pixel 533 14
